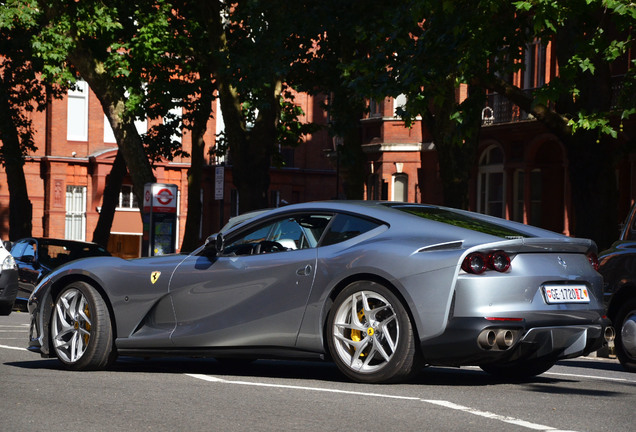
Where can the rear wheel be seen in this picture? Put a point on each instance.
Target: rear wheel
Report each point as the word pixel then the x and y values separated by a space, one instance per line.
pixel 520 369
pixel 370 336
pixel 81 329
pixel 625 342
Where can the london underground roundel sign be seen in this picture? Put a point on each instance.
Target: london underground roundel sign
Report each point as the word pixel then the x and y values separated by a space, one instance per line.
pixel 160 198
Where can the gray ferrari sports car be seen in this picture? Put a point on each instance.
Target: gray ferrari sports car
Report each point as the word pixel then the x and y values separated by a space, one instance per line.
pixel 380 288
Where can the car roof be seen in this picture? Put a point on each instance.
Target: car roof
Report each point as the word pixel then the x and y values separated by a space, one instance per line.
pixel 391 212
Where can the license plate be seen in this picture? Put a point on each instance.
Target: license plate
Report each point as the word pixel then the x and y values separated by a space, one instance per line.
pixel 566 294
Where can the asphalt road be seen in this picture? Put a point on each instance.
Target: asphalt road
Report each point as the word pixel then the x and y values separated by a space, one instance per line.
pixel 586 394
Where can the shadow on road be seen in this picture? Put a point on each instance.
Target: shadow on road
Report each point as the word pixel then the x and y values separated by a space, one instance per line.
pixel 312 370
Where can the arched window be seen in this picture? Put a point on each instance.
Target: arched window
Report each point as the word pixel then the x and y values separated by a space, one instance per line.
pixel 400 187
pixel 490 182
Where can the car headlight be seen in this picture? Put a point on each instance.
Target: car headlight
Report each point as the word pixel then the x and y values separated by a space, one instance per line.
pixel 9 263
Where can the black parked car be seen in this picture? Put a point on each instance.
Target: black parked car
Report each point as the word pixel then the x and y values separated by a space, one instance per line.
pixel 618 267
pixel 36 257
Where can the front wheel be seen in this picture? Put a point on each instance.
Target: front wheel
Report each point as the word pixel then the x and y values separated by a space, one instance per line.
pixel 625 342
pixel 519 370
pixel 81 329
pixel 370 336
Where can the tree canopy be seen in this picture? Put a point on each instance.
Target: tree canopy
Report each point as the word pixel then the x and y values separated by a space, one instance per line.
pixel 144 58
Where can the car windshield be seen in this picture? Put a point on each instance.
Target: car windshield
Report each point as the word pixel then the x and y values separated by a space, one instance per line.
pixel 461 220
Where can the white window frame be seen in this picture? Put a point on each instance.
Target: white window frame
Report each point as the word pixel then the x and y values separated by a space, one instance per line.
pixel 178 113
pixel 400 178
pixel 77 112
pixel 399 102
pixel 109 135
pixel 75 224
pixel 127 189
pixel 484 177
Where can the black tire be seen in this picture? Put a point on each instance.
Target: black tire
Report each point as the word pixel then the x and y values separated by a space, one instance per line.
pixel 376 343
pixel 625 342
pixel 81 329
pixel 5 309
pixel 519 370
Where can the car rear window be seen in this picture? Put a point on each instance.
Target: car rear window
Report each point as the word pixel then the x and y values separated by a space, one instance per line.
pixel 461 220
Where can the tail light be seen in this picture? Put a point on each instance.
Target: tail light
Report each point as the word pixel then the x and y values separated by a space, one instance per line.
pixel 477 262
pixel 593 260
pixel 499 261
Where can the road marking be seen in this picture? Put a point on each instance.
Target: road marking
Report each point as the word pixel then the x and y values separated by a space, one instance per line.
pixel 590 377
pixel 600 378
pixel 446 404
pixel 13 348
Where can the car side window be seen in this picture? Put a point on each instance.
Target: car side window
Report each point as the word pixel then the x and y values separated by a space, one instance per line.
pixel 280 235
pixel 345 227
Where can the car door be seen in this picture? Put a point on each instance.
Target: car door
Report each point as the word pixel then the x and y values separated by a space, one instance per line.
pixel 253 294
pixel 25 253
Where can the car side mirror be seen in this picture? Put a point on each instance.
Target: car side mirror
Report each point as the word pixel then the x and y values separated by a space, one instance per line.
pixel 216 242
pixel 7 245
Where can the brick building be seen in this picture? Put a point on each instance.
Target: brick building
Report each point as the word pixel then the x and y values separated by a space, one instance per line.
pixel 520 172
pixel 66 176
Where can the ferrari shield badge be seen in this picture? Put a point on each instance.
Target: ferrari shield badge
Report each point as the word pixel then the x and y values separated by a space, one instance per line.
pixel 154 276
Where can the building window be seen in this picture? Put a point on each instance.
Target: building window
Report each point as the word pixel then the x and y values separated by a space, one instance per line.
pixel 375 108
pixel 77 113
pixel 519 185
pixel 75 213
pixel 400 187
pixel 536 193
pixel 175 116
pixel 490 183
pixel 109 135
pixel 534 75
pixel 399 102
pixel 127 199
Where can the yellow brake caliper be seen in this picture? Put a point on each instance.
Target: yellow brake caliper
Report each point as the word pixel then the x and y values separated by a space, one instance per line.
pixel 356 335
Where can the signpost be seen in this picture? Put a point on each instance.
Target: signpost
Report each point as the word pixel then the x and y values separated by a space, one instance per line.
pixel 159 219
pixel 219 186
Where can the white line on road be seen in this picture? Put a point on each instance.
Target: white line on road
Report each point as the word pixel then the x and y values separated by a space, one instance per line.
pixel 13 348
pixel 446 404
pixel 595 377
pixel 590 377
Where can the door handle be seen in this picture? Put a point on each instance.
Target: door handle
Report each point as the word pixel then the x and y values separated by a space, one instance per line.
pixel 304 271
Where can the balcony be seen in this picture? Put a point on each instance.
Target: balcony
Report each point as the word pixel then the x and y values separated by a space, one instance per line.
pixel 500 110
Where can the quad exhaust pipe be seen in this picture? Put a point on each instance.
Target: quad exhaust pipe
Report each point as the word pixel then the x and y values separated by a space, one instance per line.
pixel 499 339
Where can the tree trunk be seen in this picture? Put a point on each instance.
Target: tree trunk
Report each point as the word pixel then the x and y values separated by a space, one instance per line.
pixel 456 142
pixel 346 111
pixel 20 208
pixel 594 190
pixel 250 150
pixel 113 101
pixel 110 199
pixel 590 154
pixel 191 235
